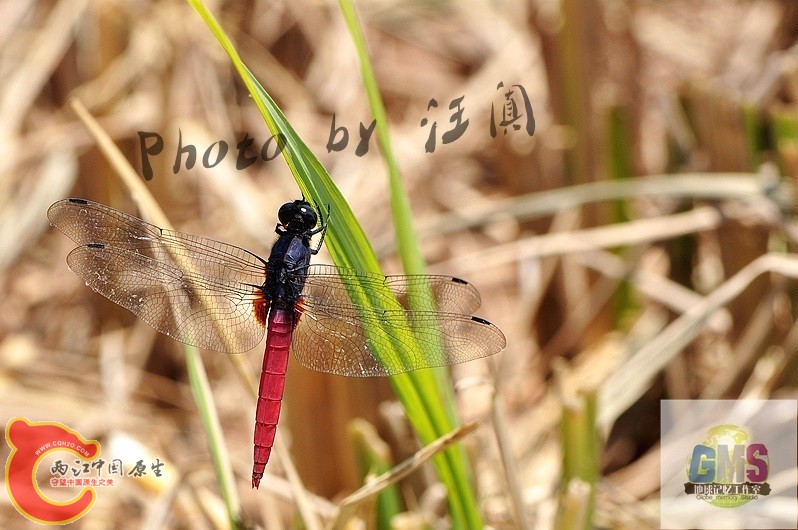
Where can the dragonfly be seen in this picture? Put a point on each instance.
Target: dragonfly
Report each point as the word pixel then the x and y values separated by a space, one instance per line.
pixel 221 297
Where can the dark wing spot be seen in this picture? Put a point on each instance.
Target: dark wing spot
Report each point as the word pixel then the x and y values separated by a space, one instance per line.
pixel 79 201
pixel 480 320
pixel 458 280
pixel 95 245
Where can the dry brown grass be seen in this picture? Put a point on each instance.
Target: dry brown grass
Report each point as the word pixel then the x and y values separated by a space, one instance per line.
pixel 709 261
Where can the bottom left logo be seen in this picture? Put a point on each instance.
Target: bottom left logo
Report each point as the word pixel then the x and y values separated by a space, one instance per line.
pixel 31 442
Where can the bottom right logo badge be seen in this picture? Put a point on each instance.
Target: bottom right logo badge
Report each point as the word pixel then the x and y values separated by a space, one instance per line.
pixel 739 461
pixel 728 468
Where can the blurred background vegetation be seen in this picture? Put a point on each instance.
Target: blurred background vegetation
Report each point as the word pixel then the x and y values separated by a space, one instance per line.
pixel 639 246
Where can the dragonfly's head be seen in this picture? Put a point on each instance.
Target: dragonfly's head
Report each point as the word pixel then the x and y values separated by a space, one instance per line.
pixel 298 216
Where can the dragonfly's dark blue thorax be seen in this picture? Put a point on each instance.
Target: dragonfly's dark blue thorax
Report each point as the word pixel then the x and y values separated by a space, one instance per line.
pixel 287 268
pixel 290 256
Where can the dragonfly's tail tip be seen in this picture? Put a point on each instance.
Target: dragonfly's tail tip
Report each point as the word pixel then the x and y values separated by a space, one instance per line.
pixel 255 482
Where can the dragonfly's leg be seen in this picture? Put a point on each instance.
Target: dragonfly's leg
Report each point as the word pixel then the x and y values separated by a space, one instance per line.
pixel 321 229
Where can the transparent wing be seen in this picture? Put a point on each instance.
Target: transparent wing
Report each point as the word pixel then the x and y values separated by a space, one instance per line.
pixel 332 336
pixel 196 290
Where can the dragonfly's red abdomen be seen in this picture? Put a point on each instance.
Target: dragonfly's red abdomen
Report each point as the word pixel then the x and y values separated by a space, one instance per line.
pixel 272 382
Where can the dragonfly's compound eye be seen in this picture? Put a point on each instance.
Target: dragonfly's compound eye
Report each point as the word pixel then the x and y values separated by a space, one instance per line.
pixel 286 212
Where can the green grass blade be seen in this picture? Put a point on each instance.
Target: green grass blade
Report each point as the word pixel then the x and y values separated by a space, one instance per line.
pixel 434 383
pixel 619 147
pixel 349 247
pixel 200 388
pixel 581 454
pixel 409 250
pixel 373 457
